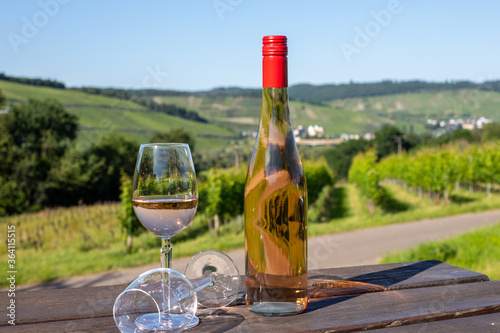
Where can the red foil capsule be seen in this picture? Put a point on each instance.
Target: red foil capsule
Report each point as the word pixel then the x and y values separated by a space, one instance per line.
pixel 274 62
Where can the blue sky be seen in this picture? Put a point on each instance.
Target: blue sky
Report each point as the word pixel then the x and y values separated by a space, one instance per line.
pixel 197 45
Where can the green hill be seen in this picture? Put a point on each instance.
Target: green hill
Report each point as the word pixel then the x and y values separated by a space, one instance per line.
pixel 351 115
pixel 242 113
pixel 413 109
pixel 232 110
pixel 99 114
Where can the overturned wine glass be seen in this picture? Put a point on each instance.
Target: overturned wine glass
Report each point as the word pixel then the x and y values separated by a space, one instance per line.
pixel 171 297
pixel 217 279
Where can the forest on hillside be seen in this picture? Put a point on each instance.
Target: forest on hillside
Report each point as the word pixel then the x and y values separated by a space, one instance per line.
pixel 300 92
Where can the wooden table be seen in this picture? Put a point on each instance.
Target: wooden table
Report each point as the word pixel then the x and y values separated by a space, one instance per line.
pixel 427 296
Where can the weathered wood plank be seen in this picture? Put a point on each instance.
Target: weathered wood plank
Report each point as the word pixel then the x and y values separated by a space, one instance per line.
pixel 85 303
pixel 64 304
pixel 389 309
pixel 487 323
pixel 403 275
pixel 373 310
pixel 373 278
pixel 94 325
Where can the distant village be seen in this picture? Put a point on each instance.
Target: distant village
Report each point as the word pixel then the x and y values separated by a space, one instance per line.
pixel 438 127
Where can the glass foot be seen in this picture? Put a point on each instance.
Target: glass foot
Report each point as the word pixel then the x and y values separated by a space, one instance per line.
pixel 164 322
pixel 194 322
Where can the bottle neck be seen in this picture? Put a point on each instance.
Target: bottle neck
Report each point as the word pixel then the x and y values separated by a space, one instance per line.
pixel 275 122
pixel 275 105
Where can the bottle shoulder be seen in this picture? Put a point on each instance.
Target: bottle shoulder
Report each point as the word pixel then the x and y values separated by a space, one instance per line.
pixel 271 162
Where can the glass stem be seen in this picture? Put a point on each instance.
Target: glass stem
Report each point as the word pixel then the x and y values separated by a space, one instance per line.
pixel 166 253
pixel 206 282
pixel 166 262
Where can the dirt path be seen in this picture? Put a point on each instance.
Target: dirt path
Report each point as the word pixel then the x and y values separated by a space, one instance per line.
pixel 350 248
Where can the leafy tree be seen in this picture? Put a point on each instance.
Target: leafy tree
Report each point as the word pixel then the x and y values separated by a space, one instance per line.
pixel 416 140
pixel 43 128
pixel 462 134
pixel 33 137
pixel 457 135
pixel 70 178
pixel 104 161
pixel 35 82
pixel 386 140
pixel 6 150
pixel 491 132
pixel 365 175
pixel 2 99
pixel 170 109
pixel 222 194
pixel 179 135
pixel 318 175
pixel 92 175
pixel 95 174
pixel 221 158
pixel 225 192
pixel 325 207
pixel 12 200
pixel 340 157
pixel 129 222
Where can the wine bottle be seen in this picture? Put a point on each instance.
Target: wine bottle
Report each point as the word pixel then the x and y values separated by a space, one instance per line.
pixel 275 200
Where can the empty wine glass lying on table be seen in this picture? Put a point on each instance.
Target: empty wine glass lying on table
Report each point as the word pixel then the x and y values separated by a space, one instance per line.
pixel 214 283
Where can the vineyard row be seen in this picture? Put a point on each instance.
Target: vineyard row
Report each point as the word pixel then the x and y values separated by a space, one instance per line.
pixel 437 171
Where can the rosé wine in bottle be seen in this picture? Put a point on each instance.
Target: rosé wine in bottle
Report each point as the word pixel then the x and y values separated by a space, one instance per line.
pixel 275 200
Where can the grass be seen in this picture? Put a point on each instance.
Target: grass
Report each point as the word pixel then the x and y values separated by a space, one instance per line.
pixel 64 242
pixel 478 250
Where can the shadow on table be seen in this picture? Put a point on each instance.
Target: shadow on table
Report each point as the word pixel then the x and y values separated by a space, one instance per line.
pixel 219 320
pixel 391 277
pixel 330 290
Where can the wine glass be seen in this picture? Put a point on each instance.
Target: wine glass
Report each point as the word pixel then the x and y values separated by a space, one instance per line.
pixel 214 282
pixel 144 300
pixel 215 277
pixel 165 198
